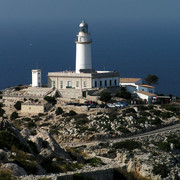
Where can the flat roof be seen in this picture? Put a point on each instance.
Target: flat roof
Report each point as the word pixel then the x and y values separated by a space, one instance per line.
pixel 144 85
pixel 129 80
pixel 92 74
pixel 146 93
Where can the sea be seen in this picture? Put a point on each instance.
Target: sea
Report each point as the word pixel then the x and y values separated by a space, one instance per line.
pixel 134 49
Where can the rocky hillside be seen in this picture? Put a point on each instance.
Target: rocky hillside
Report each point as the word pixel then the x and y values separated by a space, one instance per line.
pixel 64 140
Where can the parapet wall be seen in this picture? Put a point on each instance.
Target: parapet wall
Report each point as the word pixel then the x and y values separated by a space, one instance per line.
pixel 70 93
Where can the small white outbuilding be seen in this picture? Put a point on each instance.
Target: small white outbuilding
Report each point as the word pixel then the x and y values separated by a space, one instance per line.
pixel 36 78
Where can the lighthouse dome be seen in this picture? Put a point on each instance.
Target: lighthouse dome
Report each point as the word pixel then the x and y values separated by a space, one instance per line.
pixel 83 27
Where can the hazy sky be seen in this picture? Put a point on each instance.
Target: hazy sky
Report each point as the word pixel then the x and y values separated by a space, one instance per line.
pixel 93 10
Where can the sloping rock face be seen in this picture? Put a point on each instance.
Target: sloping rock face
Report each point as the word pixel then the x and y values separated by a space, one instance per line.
pixel 6 125
pixel 47 146
pixel 15 169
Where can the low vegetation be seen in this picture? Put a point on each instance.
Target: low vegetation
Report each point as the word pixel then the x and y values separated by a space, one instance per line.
pixel 18 105
pixel 14 115
pixel 105 97
pixel 50 99
pixel 59 111
pixel 9 141
pixel 128 144
pixel 124 94
pixel 5 174
pixel 160 169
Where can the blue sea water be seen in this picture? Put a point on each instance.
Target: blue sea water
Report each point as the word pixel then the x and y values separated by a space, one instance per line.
pixel 134 49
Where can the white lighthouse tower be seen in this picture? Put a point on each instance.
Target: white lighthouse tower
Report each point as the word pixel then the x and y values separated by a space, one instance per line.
pixel 36 78
pixel 83 49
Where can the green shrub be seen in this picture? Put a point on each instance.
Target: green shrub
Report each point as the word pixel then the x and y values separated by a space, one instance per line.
pixel 142 119
pixel 50 99
pixel 105 97
pixel 142 108
pixel 156 121
pixel 94 161
pixel 144 113
pixel 129 110
pixel 41 114
pixel 175 140
pixel 26 119
pixel 80 116
pixel 5 174
pixel 150 106
pixel 14 115
pixel 165 146
pixel 172 108
pixel 59 111
pixel 160 169
pixel 17 88
pixel 112 116
pixel 121 174
pixel 124 94
pixel 31 124
pixel 18 105
pixel 8 140
pixel 72 113
pixel 123 129
pixel 2 111
pixel 82 121
pixel 29 166
pixel 166 115
pixel 128 144
pixel 155 112
pixel 54 129
pixel 56 167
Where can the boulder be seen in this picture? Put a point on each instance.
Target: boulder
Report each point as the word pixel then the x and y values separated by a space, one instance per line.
pixel 3 156
pixel 15 169
pixel 47 146
pixel 6 125
pixel 25 133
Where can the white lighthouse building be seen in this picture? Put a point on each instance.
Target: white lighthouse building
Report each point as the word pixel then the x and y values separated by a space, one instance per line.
pixel 82 81
pixel 83 49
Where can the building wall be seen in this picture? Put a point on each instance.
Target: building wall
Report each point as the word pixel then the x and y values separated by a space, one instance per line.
pixel 105 82
pixel 131 89
pixel 30 108
pixel 83 56
pixel 150 90
pixel 36 78
pixel 71 93
pixel 81 82
pixel 70 82
pixel 145 97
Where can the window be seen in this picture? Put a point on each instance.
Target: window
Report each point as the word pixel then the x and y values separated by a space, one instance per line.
pixel 100 83
pixel 95 83
pixel 61 84
pixel 110 83
pixel 85 84
pixel 69 83
pixel 53 84
pixel 115 82
pixel 105 82
pixel 77 83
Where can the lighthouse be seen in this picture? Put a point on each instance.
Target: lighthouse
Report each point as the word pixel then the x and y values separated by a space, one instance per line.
pixel 77 84
pixel 83 49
